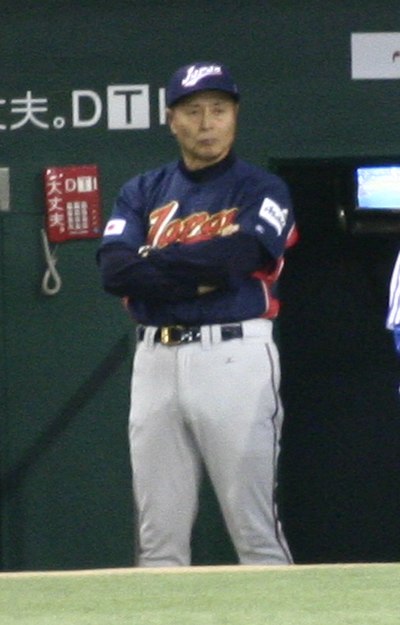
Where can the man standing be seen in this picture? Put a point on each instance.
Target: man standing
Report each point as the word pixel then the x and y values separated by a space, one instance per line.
pixel 195 248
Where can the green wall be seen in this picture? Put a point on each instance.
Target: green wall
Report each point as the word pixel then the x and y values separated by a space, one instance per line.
pixel 65 360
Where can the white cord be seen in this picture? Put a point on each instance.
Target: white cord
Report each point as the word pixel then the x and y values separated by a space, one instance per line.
pixel 51 271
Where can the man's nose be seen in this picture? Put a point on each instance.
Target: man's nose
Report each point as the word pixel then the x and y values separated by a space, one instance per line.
pixel 206 119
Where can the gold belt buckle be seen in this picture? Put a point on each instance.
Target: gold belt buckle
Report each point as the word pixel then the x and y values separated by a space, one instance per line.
pixel 166 336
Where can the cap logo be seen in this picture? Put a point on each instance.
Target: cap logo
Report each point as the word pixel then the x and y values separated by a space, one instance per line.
pixel 195 74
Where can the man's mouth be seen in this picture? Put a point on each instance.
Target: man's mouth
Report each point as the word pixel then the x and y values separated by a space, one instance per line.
pixel 207 142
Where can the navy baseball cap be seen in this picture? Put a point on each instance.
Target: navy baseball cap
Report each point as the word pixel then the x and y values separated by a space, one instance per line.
pixel 200 76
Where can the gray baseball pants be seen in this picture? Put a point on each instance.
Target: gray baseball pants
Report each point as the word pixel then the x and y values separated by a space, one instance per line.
pixel 213 402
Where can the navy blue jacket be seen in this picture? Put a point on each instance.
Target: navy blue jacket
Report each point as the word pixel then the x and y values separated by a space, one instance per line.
pixel 172 230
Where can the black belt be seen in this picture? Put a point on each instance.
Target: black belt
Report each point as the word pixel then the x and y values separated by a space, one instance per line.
pixel 176 335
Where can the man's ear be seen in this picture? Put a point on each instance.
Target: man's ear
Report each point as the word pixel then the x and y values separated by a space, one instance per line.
pixel 170 119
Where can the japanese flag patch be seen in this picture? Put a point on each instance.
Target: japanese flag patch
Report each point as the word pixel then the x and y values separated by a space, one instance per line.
pixel 273 214
pixel 115 227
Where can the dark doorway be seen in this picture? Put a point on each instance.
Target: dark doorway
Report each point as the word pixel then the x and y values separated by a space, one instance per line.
pixel 340 463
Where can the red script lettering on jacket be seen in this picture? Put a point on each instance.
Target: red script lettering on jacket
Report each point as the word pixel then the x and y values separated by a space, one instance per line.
pixel 165 230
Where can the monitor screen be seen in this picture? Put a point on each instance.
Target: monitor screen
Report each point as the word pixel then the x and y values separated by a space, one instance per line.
pixel 378 188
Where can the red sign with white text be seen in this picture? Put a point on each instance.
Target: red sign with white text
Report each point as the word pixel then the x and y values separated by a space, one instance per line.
pixel 72 203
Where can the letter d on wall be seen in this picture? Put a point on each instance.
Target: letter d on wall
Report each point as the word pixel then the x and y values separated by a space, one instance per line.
pixel 84 99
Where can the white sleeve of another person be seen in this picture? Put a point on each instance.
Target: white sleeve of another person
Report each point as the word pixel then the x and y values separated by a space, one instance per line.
pixel 393 315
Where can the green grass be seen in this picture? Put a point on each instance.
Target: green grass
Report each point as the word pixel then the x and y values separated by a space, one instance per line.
pixel 315 595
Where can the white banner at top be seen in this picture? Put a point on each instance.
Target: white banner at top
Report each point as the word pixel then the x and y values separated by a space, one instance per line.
pixel 375 56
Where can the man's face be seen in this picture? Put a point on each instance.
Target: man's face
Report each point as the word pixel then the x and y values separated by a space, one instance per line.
pixel 204 125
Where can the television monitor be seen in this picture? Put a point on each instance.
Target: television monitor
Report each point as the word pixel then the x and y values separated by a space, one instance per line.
pixel 375 205
pixel 378 188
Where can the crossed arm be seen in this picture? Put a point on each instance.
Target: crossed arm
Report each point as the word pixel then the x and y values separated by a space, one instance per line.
pixel 181 271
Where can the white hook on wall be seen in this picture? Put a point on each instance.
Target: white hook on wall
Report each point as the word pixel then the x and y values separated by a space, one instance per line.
pixel 51 273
